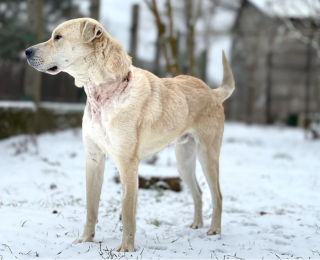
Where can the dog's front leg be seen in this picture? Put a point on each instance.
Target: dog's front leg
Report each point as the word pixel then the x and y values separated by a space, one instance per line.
pixel 128 170
pixel 95 162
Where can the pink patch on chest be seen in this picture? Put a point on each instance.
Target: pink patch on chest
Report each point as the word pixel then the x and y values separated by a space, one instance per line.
pixel 102 99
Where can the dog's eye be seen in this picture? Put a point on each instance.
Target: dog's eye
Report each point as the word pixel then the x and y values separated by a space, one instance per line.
pixel 57 37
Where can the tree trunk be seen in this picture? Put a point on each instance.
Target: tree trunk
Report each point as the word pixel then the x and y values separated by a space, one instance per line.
pixel 175 71
pixel 190 37
pixel 161 31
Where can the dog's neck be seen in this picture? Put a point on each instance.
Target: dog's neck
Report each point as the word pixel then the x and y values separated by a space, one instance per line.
pixel 108 89
pixel 105 96
pixel 88 71
pixel 106 75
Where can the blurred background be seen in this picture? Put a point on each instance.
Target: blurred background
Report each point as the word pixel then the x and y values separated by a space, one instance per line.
pixel 272 45
pixel 270 158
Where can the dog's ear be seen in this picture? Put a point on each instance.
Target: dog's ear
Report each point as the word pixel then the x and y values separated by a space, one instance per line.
pixel 91 31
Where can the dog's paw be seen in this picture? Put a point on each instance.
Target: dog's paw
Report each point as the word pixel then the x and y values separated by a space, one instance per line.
pixel 196 225
pixel 123 248
pixel 212 232
pixel 83 239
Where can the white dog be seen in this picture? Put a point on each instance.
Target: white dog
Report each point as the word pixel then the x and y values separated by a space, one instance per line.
pixel 131 114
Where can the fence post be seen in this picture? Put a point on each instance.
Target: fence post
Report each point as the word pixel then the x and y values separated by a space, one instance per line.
pixel 203 66
pixel 308 83
pixel 94 9
pixel 32 78
pixel 268 115
pixel 157 58
pixel 134 33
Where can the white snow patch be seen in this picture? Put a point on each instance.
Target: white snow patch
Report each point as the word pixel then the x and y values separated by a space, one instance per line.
pixel 63 107
pixel 18 105
pixel 59 107
pixel 262 169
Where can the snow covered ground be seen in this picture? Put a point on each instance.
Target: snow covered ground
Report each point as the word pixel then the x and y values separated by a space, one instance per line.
pixel 269 179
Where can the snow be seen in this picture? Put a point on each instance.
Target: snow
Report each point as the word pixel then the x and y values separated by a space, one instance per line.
pixel 18 105
pixel 57 107
pixel 289 8
pixel 63 107
pixel 269 180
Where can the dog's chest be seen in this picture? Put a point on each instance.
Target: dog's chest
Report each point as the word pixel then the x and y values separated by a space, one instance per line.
pixel 96 129
pixel 102 104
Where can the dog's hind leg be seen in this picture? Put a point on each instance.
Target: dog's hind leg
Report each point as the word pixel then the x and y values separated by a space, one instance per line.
pixel 208 154
pixel 186 153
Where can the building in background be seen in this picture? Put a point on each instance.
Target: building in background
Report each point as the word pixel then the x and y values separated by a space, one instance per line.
pixel 275 67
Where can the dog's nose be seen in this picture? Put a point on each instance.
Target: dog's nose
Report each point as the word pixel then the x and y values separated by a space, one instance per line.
pixel 29 52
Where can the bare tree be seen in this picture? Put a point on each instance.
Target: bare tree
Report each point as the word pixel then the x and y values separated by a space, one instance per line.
pixel 168 37
pixel 172 42
pixel 179 18
pixel 161 32
pixel 191 19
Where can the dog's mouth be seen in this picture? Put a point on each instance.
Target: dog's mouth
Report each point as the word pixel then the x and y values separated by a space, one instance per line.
pixel 53 69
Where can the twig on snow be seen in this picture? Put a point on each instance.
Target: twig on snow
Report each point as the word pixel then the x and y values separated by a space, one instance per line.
pixel 275 255
pixel 234 256
pixel 7 247
pixel 214 254
pixel 175 240
pixel 70 233
pixel 24 222
pixel 20 253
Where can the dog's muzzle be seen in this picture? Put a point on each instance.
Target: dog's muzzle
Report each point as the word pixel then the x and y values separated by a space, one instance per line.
pixel 38 63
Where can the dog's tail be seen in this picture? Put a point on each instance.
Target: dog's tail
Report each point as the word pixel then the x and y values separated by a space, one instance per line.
pixel 227 86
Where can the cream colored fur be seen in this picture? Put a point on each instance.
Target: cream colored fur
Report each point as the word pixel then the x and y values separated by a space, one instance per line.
pixel 131 114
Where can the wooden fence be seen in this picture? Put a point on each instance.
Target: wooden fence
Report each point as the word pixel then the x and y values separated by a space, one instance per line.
pixel 59 88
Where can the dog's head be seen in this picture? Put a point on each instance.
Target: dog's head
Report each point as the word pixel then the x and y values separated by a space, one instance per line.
pixel 75 47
